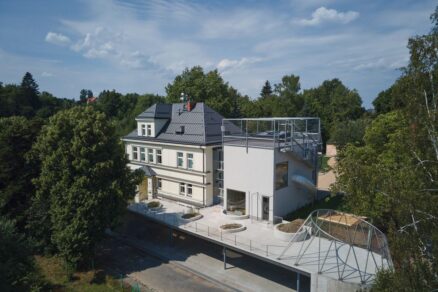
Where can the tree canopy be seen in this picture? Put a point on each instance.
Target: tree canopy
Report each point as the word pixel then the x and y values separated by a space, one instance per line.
pixel 84 182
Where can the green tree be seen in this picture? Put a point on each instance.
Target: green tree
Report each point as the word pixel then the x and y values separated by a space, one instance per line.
pixel 393 177
pixel 332 102
pixel 109 102
pixel 16 137
pixel 17 267
pixel 204 87
pixel 84 183
pixel 266 90
pixel 29 100
pixel 349 132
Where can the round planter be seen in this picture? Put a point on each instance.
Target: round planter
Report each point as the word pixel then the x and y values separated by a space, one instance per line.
pixel 233 216
pixel 286 236
pixel 232 230
pixel 154 208
pixel 197 217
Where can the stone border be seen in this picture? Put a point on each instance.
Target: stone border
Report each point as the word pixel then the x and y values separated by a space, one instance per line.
pixel 234 217
pixel 286 236
pixel 241 228
pixel 197 217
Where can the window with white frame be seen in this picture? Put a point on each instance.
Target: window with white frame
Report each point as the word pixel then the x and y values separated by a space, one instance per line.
pixel 142 154
pixel 150 155
pixel 190 160
pixel 149 129
pixel 135 153
pixel 159 183
pixel 143 129
pixel 189 190
pixel 158 156
pixel 179 159
pixel 182 189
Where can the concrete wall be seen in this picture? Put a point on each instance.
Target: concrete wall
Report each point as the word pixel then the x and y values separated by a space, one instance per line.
pixel 320 283
pixel 294 196
pixel 250 172
pixel 330 150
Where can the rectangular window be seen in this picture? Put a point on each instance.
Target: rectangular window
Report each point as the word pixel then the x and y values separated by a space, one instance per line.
pixel 151 155
pixel 149 130
pixel 143 129
pixel 189 190
pixel 158 156
pixel 142 154
pixel 182 189
pixel 281 175
pixel 190 160
pixel 179 159
pixel 135 153
pixel 159 183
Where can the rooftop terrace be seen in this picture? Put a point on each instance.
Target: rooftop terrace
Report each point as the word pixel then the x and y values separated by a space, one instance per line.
pixel 301 135
pixel 353 259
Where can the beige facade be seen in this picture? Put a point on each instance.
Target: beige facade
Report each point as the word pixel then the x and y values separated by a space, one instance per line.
pixel 183 172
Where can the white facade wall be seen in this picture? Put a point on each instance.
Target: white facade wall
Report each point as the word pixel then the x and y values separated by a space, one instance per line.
pixel 250 170
pixel 199 176
pixel 156 126
pixel 294 195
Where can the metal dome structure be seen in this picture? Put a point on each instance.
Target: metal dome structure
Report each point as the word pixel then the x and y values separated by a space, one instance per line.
pixel 341 246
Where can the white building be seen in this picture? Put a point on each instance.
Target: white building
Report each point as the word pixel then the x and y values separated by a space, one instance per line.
pixel 191 154
pixel 178 146
pixel 270 165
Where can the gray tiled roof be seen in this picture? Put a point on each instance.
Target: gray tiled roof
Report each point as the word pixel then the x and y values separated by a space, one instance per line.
pixel 157 111
pixel 202 125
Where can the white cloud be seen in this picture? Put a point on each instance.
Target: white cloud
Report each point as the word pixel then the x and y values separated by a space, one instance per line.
pixel 57 38
pixel 323 14
pixel 226 64
pixel 46 74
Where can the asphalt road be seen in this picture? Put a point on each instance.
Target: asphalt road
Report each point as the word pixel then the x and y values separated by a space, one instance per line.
pixel 120 258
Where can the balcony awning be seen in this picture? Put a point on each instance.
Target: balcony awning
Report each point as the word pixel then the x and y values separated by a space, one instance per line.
pixel 304 181
pixel 148 171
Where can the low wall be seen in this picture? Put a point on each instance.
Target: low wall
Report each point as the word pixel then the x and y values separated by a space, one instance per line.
pixel 320 283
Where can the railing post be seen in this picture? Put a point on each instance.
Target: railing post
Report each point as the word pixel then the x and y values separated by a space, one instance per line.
pixel 196 226
pixel 208 230
pixel 267 252
pixel 250 245
pixel 221 235
pixel 235 239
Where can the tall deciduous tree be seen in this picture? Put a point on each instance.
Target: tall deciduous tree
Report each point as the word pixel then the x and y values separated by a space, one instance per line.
pixel 393 178
pixel 204 87
pixel 84 183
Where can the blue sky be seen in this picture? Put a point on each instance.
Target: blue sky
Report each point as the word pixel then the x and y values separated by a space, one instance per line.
pixel 140 46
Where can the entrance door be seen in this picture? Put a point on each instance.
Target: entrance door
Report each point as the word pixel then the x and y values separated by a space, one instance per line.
pixel 152 186
pixel 143 189
pixel 265 208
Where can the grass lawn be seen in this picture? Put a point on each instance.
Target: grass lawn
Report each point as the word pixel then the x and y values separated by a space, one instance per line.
pixel 335 202
pixel 97 280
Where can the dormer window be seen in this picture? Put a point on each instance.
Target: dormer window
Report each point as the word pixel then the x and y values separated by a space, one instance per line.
pixel 143 129
pixel 149 130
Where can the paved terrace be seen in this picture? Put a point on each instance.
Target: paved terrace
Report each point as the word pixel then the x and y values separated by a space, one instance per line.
pixel 319 260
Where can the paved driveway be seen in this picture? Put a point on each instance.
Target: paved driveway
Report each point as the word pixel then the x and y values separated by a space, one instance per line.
pixel 159 275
